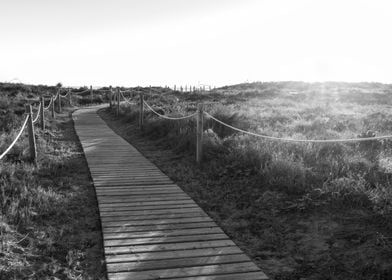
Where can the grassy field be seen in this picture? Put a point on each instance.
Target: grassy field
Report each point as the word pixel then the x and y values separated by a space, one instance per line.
pixel 49 223
pixel 301 211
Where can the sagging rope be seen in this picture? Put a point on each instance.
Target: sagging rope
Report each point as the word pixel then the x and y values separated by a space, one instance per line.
pixel 78 92
pixel 50 103
pixel 300 140
pixel 64 96
pixel 124 91
pixel 39 111
pixel 166 117
pixel 16 138
pixel 127 100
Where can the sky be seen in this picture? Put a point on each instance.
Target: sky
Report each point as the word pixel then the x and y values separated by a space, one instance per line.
pixel 194 42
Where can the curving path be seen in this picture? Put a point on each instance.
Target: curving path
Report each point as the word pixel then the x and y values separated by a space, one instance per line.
pixel 151 228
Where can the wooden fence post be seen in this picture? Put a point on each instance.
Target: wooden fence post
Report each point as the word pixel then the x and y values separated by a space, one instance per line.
pixel 42 114
pixel 91 94
pixel 52 106
pixel 30 129
pixel 70 98
pixel 174 87
pixel 118 101
pixel 110 97
pixel 199 133
pixel 59 102
pixel 141 113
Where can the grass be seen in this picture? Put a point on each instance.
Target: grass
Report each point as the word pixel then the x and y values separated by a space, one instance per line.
pixel 299 210
pixel 49 223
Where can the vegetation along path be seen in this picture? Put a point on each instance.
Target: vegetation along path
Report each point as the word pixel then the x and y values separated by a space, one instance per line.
pixel 151 228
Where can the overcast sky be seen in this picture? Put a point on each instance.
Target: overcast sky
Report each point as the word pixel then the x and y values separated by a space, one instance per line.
pixel 216 42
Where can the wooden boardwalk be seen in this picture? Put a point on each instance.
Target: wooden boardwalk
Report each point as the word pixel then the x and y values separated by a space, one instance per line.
pixel 151 228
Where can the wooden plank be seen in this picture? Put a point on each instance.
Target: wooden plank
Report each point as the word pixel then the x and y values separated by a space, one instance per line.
pixel 149 212
pixel 259 275
pixel 149 203
pixel 168 247
pixel 162 233
pixel 128 218
pixel 185 272
pixel 106 224
pixel 157 227
pixel 173 199
pixel 125 207
pixel 164 240
pixel 165 255
pixel 176 263
pixel 129 184
pixel 140 193
pixel 103 190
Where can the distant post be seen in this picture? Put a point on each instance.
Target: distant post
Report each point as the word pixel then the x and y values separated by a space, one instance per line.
pixel 174 87
pixel 59 102
pixel 41 115
pixel 141 113
pixel 70 98
pixel 32 146
pixel 118 101
pixel 52 106
pixel 199 133
pixel 110 97
pixel 91 94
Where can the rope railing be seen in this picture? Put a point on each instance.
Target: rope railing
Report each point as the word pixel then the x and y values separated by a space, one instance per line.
pixel 65 95
pixel 127 100
pixel 30 120
pixel 79 92
pixel 16 138
pixel 300 140
pixel 167 117
pixel 200 113
pixel 126 91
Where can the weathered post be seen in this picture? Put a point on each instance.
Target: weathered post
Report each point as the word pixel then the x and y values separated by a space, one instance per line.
pixel 174 87
pixel 91 94
pixel 70 98
pixel 41 114
pixel 199 133
pixel 118 101
pixel 52 106
pixel 59 102
pixel 110 97
pixel 141 113
pixel 30 129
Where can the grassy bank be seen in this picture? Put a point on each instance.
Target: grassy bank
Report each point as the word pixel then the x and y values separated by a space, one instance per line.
pixel 299 210
pixel 49 223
